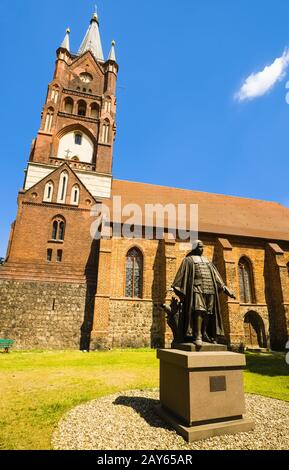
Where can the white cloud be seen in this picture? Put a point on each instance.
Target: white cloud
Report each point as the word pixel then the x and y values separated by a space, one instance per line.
pixel 257 84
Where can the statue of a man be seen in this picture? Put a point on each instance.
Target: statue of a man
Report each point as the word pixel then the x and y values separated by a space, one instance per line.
pixel 198 285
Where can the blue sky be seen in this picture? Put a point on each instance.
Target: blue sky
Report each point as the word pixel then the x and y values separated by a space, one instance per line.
pixel 181 65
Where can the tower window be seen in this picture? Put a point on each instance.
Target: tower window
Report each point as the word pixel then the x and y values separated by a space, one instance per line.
pixel 107 106
pixel 49 254
pixel 78 139
pixel 68 105
pixel 94 110
pixel 82 108
pixel 49 120
pixel 134 274
pixel 105 133
pixel 54 95
pixel 59 256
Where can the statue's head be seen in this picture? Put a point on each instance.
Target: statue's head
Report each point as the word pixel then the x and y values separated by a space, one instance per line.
pixel 197 248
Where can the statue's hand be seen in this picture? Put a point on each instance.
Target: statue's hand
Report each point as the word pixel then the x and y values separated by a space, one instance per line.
pixel 229 292
pixel 179 294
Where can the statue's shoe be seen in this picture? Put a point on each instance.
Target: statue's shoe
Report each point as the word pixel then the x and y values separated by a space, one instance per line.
pixel 207 339
pixel 198 342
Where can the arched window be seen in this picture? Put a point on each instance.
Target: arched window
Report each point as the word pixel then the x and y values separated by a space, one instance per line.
pixel 75 195
pixel 78 138
pixel 54 94
pixel 48 192
pixel 94 110
pixel 105 132
pixel 61 231
pixel 246 281
pixel 107 106
pixel 58 228
pixel 62 188
pixel 68 105
pixel 81 108
pixel 54 230
pixel 134 274
pixel 49 120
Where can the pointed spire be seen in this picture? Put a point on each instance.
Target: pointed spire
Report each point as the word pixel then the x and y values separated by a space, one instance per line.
pixel 112 55
pixel 65 43
pixel 92 41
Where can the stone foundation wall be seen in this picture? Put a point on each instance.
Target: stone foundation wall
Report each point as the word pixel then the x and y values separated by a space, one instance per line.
pixel 135 324
pixel 45 315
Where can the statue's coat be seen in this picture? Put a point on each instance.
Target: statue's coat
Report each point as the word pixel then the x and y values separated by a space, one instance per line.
pixel 183 285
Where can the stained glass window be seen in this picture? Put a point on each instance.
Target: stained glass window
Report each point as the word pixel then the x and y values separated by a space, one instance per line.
pixel 246 282
pixel 134 274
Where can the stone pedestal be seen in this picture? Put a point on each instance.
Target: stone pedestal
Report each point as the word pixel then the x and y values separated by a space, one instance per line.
pixel 202 393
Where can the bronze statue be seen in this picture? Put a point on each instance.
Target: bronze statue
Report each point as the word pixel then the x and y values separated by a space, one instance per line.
pixel 197 317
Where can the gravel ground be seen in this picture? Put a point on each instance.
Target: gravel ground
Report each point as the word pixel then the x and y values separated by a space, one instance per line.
pixel 127 421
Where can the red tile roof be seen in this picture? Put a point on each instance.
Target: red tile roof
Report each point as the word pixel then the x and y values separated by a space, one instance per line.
pixel 218 214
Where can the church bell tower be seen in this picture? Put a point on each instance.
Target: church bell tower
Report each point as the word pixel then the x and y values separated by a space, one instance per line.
pixel 78 117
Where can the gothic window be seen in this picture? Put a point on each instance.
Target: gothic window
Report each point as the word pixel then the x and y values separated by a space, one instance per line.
pixel 75 195
pixel 54 94
pixel 78 139
pixel 49 120
pixel 105 132
pixel 94 110
pixel 134 274
pixel 68 105
pixel 63 181
pixel 54 230
pixel 107 106
pixel 82 108
pixel 49 254
pixel 246 281
pixel 48 192
pixel 61 231
pixel 58 229
pixel 59 256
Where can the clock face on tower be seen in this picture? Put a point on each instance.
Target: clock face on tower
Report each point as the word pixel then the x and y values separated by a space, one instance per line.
pixel 85 77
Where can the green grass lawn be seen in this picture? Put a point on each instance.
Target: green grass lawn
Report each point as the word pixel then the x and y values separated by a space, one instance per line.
pixel 38 387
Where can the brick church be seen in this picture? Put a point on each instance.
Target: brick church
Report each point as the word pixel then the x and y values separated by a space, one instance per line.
pixel 59 288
